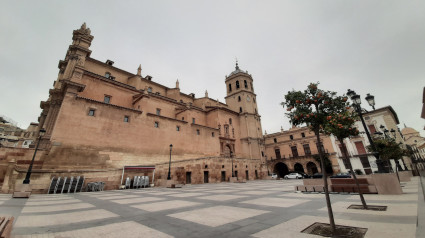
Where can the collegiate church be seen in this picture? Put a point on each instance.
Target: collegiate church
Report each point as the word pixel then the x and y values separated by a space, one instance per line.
pixel 99 119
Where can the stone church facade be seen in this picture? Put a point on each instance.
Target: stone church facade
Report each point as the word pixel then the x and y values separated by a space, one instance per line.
pixel 99 118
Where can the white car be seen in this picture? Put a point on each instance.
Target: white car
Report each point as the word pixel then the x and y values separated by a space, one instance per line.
pixel 293 176
pixel 274 175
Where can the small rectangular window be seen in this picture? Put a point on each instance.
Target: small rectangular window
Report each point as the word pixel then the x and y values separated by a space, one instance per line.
pixel 274 140
pixel 302 134
pixel 91 112
pixel 212 134
pixel 291 137
pixel 126 118
pixel 158 111
pixel 193 120
pixel 156 124
pixel 107 99
pixel 177 128
pixel 198 132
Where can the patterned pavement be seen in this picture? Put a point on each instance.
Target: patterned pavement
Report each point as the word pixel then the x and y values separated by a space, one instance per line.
pixel 262 208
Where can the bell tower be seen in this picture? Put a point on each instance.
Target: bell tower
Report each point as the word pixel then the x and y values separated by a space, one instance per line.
pixel 242 99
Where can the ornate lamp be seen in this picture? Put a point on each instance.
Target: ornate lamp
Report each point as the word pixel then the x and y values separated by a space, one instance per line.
pixel 371 100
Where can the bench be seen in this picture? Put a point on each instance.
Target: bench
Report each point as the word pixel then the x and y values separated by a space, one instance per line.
pixel 6 224
pixel 348 185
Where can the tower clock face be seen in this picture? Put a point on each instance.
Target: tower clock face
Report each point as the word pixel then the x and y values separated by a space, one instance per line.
pixel 248 98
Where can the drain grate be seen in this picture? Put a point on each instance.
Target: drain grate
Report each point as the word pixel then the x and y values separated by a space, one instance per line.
pixel 369 207
pixel 323 229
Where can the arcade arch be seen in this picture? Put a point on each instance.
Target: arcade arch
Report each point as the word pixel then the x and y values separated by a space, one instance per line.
pixel 281 169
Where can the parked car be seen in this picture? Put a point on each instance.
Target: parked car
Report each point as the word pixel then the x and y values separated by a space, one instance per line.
pixel 341 175
pixel 303 174
pixel 317 175
pixel 293 176
pixel 274 175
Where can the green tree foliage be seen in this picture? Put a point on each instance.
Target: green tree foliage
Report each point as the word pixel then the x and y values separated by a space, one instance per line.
pixel 341 124
pixel 388 149
pixel 313 106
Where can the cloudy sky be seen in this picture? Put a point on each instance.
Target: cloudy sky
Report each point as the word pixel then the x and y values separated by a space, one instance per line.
pixel 375 47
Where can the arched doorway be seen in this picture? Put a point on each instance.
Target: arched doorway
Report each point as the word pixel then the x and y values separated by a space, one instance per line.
pixel 311 168
pixel 227 151
pixel 298 168
pixel 281 169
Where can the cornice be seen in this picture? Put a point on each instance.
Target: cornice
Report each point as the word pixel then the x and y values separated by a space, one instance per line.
pixel 240 91
pixel 117 83
pixel 213 108
pixel 108 104
pixel 211 128
pixel 163 117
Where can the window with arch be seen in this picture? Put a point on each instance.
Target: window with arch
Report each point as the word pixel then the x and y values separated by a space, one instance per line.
pixel 252 87
pixel 239 98
pixel 245 83
pixel 237 84
pixel 230 121
pixel 230 87
pixel 240 109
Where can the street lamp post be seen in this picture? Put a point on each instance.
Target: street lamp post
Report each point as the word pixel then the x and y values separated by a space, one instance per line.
pixel 392 136
pixel 356 102
pixel 27 177
pixel 169 164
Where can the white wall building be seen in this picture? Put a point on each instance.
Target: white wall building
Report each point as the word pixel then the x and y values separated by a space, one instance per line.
pixel 359 157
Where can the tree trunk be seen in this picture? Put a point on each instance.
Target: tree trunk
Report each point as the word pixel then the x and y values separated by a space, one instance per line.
pixel 344 151
pixel 325 181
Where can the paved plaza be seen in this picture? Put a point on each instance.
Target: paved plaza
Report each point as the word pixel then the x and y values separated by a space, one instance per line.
pixel 262 208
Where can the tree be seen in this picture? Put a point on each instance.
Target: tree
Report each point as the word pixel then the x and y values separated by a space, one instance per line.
pixel 341 125
pixel 312 107
pixel 388 149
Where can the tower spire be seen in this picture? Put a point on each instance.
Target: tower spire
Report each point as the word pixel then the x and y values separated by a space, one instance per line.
pixel 139 70
pixel 237 66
